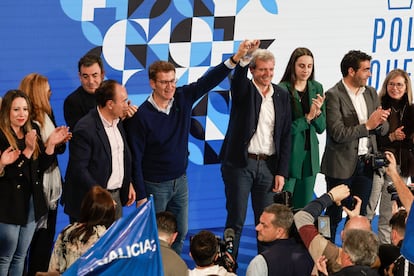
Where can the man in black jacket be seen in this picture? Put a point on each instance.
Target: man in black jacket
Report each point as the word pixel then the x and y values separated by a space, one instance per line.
pixel 99 153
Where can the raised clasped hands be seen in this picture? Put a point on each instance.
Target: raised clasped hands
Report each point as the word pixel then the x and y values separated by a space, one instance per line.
pixel 252 45
pixel 246 48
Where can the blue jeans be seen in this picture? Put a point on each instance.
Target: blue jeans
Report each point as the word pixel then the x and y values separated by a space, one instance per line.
pixel 14 243
pixel 360 184
pixel 256 178
pixel 172 196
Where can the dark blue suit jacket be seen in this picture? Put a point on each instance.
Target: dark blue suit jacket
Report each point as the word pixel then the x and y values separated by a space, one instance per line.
pixel 90 162
pixel 244 116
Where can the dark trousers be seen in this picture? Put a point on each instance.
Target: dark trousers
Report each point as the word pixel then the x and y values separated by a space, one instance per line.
pixel 41 246
pixel 360 184
pixel 257 180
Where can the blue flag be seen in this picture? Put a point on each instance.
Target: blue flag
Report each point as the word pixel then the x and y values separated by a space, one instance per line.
pixel 129 247
pixel 407 248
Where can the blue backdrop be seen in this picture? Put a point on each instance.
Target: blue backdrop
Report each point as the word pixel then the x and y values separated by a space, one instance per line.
pixel 49 37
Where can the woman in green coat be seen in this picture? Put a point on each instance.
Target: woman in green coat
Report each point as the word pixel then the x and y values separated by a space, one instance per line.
pixel 308 120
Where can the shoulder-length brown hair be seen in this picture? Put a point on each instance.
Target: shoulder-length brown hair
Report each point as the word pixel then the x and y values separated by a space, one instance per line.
pixel 5 125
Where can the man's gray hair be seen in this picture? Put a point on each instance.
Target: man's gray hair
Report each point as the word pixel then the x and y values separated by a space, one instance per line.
pixel 361 246
pixel 261 54
pixel 283 215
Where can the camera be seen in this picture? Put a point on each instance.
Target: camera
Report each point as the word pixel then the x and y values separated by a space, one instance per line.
pixel 226 245
pixel 379 160
pixel 393 192
pixel 394 195
pixel 284 197
pixel 349 202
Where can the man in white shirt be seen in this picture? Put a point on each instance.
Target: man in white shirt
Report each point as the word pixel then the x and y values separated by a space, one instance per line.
pixel 353 118
pixel 256 150
pixel 99 153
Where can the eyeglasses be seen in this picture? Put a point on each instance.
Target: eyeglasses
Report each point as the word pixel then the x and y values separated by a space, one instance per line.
pixel 397 84
pixel 166 82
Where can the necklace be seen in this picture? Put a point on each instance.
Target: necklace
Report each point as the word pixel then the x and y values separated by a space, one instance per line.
pixel 301 94
pixel 395 109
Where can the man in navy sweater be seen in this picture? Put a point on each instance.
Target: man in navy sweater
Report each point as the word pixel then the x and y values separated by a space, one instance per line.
pixel 158 137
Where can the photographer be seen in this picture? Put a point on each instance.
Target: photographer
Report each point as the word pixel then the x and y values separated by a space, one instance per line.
pixel 407 198
pixel 404 193
pixel 167 233
pixel 317 244
pixel 285 256
pixel 395 95
pixel 204 249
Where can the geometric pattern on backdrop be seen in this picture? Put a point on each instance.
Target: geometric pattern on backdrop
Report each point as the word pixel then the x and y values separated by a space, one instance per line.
pixel 193 35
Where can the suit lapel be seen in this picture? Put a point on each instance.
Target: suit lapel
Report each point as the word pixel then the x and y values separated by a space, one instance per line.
pixel 278 107
pixel 100 130
pixel 369 102
pixel 347 100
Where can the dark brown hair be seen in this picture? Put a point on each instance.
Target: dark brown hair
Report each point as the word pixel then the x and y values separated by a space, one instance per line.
pixel 159 66
pixel 97 209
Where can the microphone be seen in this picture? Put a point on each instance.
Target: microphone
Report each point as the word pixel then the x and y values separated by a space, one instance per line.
pixel 229 240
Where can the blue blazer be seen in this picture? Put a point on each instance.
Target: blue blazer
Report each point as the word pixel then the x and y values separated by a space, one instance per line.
pixel 90 162
pixel 244 116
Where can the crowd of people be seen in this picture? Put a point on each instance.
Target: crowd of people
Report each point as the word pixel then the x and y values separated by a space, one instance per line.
pixel 119 154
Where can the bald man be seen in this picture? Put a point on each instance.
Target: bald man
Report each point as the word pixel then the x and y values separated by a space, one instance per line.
pixel 315 242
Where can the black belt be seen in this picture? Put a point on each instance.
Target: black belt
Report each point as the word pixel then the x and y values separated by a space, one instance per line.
pixel 259 156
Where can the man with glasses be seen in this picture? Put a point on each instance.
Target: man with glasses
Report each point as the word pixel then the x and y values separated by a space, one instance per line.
pixel 158 137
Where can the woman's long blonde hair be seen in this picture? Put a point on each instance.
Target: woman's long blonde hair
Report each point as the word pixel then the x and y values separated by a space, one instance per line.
pixel 36 87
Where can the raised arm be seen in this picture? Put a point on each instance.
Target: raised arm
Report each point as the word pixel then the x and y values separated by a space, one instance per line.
pixel 305 223
pixel 403 191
